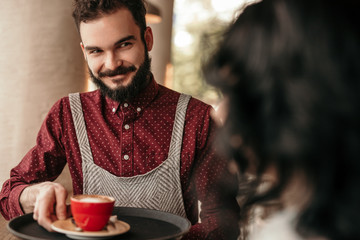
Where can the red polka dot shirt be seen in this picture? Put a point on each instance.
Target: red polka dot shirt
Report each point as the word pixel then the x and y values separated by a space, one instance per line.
pixel 132 138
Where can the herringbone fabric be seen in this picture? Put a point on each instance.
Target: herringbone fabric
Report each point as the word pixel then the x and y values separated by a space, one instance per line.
pixel 158 189
pixel 80 129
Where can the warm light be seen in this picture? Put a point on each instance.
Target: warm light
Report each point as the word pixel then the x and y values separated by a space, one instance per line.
pixel 152 13
pixel 169 76
pixel 225 5
pixel 183 39
pixel 152 18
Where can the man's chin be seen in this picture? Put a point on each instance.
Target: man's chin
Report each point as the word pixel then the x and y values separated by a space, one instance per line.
pixel 119 82
pixel 117 87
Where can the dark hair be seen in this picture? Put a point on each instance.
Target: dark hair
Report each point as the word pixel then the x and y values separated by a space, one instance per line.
pixel 86 10
pixel 291 72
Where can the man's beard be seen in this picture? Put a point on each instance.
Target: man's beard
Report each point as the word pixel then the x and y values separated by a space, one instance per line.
pixel 121 93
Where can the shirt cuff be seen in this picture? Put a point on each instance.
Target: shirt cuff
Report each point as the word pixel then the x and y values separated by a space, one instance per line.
pixel 15 208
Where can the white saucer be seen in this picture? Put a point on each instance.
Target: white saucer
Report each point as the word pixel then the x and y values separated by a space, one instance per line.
pixel 70 230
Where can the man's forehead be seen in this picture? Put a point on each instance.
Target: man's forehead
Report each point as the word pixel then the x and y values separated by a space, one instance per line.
pixel 121 19
pixel 111 26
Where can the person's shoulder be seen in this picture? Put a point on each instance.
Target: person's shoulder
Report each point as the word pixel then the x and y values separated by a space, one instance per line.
pixel 194 102
pixel 197 103
pixel 88 97
pixel 91 96
pixel 198 110
pixel 64 103
pixel 165 91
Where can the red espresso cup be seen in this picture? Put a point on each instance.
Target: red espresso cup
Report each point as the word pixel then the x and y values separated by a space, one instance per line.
pixel 91 212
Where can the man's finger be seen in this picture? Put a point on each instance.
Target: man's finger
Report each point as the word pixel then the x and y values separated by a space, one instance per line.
pixel 60 205
pixel 46 210
pixel 36 212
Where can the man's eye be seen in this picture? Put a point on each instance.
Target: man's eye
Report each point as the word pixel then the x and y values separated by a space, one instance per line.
pixel 125 44
pixel 94 51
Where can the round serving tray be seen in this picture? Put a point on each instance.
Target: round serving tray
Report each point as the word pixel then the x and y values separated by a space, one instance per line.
pixel 144 224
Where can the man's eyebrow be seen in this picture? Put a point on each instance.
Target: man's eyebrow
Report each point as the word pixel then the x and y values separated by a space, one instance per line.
pixel 90 48
pixel 130 37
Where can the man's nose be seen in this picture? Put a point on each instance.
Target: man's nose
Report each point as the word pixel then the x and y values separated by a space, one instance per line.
pixel 112 62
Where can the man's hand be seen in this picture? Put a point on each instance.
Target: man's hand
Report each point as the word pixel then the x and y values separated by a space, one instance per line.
pixel 48 202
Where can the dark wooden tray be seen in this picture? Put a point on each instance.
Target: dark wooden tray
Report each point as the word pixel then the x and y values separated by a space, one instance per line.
pixel 144 224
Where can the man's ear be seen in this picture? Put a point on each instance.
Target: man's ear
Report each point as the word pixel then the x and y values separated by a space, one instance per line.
pixel 83 50
pixel 149 39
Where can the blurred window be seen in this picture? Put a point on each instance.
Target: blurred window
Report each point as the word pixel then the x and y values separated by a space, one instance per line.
pixel 197 28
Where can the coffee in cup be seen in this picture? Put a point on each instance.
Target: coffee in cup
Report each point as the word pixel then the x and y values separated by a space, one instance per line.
pixel 91 212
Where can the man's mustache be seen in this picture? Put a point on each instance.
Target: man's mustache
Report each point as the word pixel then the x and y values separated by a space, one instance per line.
pixel 118 71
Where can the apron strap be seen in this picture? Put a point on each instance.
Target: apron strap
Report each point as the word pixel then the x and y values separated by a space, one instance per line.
pixel 178 128
pixel 81 134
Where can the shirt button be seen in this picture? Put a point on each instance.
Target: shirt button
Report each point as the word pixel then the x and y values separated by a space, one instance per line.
pixel 138 109
pixel 126 126
pixel 114 109
pixel 126 104
pixel 126 157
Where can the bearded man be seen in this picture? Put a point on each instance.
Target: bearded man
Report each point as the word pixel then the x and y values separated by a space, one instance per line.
pixel 133 139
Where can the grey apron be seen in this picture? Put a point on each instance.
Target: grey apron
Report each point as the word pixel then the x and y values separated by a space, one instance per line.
pixel 158 189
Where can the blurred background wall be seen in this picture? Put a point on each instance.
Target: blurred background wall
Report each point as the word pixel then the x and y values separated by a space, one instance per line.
pixel 40 62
